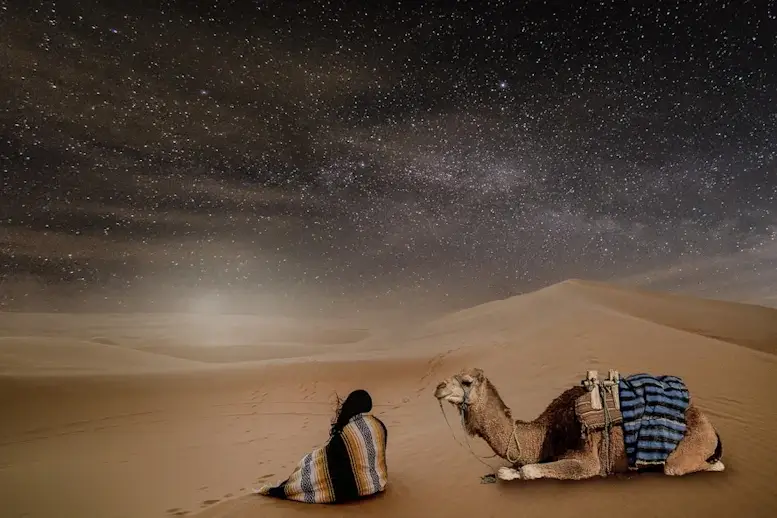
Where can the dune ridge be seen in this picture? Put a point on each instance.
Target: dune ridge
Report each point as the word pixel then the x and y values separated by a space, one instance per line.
pixel 139 432
pixel 751 325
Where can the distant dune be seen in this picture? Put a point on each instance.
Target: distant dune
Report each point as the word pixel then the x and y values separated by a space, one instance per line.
pixel 744 324
pixel 37 355
pixel 154 416
pixel 155 342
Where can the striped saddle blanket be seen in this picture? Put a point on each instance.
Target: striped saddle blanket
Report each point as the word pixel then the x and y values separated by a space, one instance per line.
pixel 351 465
pixel 653 410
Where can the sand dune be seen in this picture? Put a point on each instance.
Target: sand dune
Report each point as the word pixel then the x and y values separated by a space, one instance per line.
pixel 139 342
pixel 744 324
pixel 36 355
pixel 195 436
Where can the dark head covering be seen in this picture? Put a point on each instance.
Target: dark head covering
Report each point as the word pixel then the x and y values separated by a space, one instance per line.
pixel 357 402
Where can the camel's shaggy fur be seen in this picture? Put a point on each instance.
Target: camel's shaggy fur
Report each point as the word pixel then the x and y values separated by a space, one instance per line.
pixel 552 446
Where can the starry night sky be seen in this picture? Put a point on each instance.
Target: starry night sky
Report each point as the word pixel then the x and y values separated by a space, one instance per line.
pixel 312 151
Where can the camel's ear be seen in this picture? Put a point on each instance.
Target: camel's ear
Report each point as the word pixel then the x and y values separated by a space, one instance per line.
pixel 478 374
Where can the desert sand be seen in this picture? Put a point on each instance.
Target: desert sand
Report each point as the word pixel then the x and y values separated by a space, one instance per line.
pixel 163 415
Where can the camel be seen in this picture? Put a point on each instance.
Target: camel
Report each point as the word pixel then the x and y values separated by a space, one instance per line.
pixel 553 446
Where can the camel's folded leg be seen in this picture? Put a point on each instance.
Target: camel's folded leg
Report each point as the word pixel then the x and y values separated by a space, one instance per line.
pixel 564 469
pixel 700 443
pixel 576 465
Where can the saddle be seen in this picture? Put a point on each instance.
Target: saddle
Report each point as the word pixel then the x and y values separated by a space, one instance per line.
pixel 600 407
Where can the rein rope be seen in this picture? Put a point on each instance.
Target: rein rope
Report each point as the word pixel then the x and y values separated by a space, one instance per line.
pixel 517 446
pixel 489 478
pixel 607 428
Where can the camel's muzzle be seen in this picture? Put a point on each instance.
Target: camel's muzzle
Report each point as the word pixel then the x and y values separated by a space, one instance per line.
pixel 440 391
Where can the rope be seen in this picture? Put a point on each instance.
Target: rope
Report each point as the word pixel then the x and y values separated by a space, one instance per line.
pixel 607 425
pixel 517 446
pixel 489 478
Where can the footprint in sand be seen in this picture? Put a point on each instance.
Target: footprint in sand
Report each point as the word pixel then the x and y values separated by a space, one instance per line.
pixel 177 511
pixel 212 501
pixel 265 477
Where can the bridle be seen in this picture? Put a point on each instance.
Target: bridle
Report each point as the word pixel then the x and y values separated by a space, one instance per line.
pixel 464 405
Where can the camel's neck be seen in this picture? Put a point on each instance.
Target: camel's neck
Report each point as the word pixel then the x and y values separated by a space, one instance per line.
pixel 493 425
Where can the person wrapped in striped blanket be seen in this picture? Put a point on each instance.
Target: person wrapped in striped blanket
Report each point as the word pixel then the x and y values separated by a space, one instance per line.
pixel 349 467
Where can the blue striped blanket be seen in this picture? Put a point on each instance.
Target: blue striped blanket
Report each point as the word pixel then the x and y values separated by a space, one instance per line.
pixel 653 409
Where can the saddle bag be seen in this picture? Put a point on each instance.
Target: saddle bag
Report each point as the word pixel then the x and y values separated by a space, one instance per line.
pixel 600 407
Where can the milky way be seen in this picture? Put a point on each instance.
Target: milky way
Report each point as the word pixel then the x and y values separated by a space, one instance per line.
pixel 259 147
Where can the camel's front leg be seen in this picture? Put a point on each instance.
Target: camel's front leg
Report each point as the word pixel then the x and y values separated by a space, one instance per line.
pixel 564 469
pixel 575 465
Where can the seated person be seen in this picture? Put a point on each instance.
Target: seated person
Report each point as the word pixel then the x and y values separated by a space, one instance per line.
pixel 350 466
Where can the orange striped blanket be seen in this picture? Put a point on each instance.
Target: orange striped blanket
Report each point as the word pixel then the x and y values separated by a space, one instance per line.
pixel 351 465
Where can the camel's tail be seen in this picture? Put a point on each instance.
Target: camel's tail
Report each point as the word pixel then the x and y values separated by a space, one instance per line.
pixel 715 457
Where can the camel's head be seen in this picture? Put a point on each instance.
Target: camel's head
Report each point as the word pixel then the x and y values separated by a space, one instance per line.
pixel 462 389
